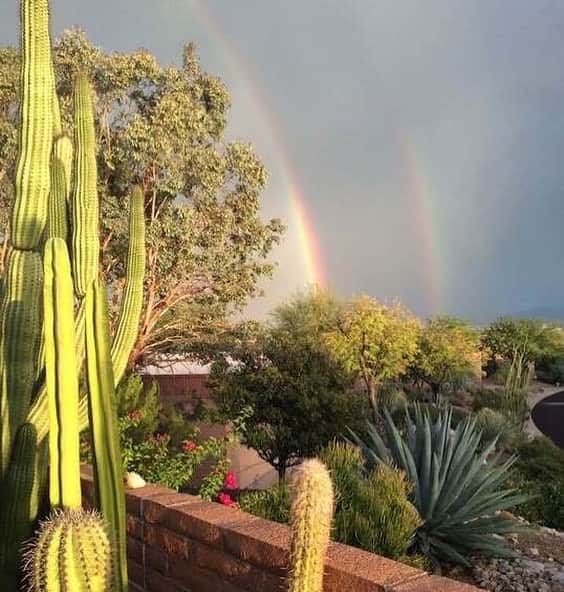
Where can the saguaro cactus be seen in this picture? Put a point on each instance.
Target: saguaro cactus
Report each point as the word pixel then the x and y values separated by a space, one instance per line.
pixel 311 516
pixel 43 320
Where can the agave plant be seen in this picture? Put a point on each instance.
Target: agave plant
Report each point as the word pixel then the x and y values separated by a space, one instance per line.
pixel 457 488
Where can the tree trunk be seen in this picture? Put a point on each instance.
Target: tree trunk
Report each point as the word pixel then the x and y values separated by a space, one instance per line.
pixel 281 468
pixel 373 398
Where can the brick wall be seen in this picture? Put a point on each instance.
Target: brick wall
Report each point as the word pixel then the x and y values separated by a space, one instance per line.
pixel 178 543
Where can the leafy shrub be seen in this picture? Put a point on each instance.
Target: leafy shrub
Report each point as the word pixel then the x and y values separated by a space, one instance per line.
pixel 494 424
pixel 490 398
pixel 157 461
pixel 458 490
pixel 540 473
pixel 271 504
pixel 392 398
pixel 372 512
pixel 133 395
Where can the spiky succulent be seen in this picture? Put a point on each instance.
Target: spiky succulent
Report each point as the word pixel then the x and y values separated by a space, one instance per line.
pixel 72 553
pixel 458 489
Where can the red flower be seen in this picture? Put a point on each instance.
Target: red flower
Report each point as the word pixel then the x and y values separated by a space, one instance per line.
pixel 230 481
pixel 189 446
pixel 226 500
pixel 134 415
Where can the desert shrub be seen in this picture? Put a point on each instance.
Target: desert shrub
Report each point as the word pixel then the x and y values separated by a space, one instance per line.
pixel 540 473
pixel 494 424
pixel 458 490
pixel 372 512
pixel 490 398
pixel 133 395
pixel 392 398
pixel 501 372
pixel 159 462
pixel 271 504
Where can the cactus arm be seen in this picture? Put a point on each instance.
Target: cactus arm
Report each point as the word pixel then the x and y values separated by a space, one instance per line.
pixel 29 213
pixel 103 424
pixel 311 515
pixel 62 384
pixel 57 219
pixel 21 332
pixel 39 411
pixel 84 202
pixel 16 510
pixel 127 328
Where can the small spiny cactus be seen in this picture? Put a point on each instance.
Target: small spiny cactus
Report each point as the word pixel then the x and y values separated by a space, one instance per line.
pixel 311 515
pixel 71 553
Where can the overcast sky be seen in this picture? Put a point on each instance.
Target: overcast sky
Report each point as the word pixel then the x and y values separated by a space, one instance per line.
pixel 427 136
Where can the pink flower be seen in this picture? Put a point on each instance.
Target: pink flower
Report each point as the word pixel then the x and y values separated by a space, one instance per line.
pixel 134 415
pixel 230 481
pixel 189 446
pixel 226 500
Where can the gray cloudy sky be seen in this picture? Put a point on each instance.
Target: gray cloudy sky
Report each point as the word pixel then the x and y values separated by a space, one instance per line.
pixel 427 137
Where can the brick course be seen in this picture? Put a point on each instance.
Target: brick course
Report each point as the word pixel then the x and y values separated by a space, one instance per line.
pixel 178 543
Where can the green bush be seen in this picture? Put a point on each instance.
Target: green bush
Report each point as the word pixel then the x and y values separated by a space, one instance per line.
pixel 372 512
pixel 494 424
pixel 392 398
pixel 486 397
pixel 540 473
pixel 458 490
pixel 271 504
pixel 159 462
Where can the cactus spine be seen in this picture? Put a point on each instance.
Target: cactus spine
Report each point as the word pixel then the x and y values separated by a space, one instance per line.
pixel 72 553
pixel 311 516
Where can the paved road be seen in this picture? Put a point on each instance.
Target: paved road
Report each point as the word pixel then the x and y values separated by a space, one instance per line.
pixel 548 417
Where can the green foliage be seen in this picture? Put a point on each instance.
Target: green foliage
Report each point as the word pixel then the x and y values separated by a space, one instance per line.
pixel 310 524
pixel 458 488
pixel 133 395
pixel 515 405
pixel 540 473
pixel 446 354
pixel 72 552
pixel 299 398
pixel 487 397
pixel 495 425
pixel 163 126
pixel 372 512
pixel 532 338
pixel 270 504
pixel 393 398
pixel 374 342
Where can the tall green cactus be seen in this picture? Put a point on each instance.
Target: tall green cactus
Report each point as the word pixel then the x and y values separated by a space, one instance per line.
pixel 311 516
pixel 40 343
pixel 17 495
pixel 62 383
pixel 84 202
pixel 108 470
